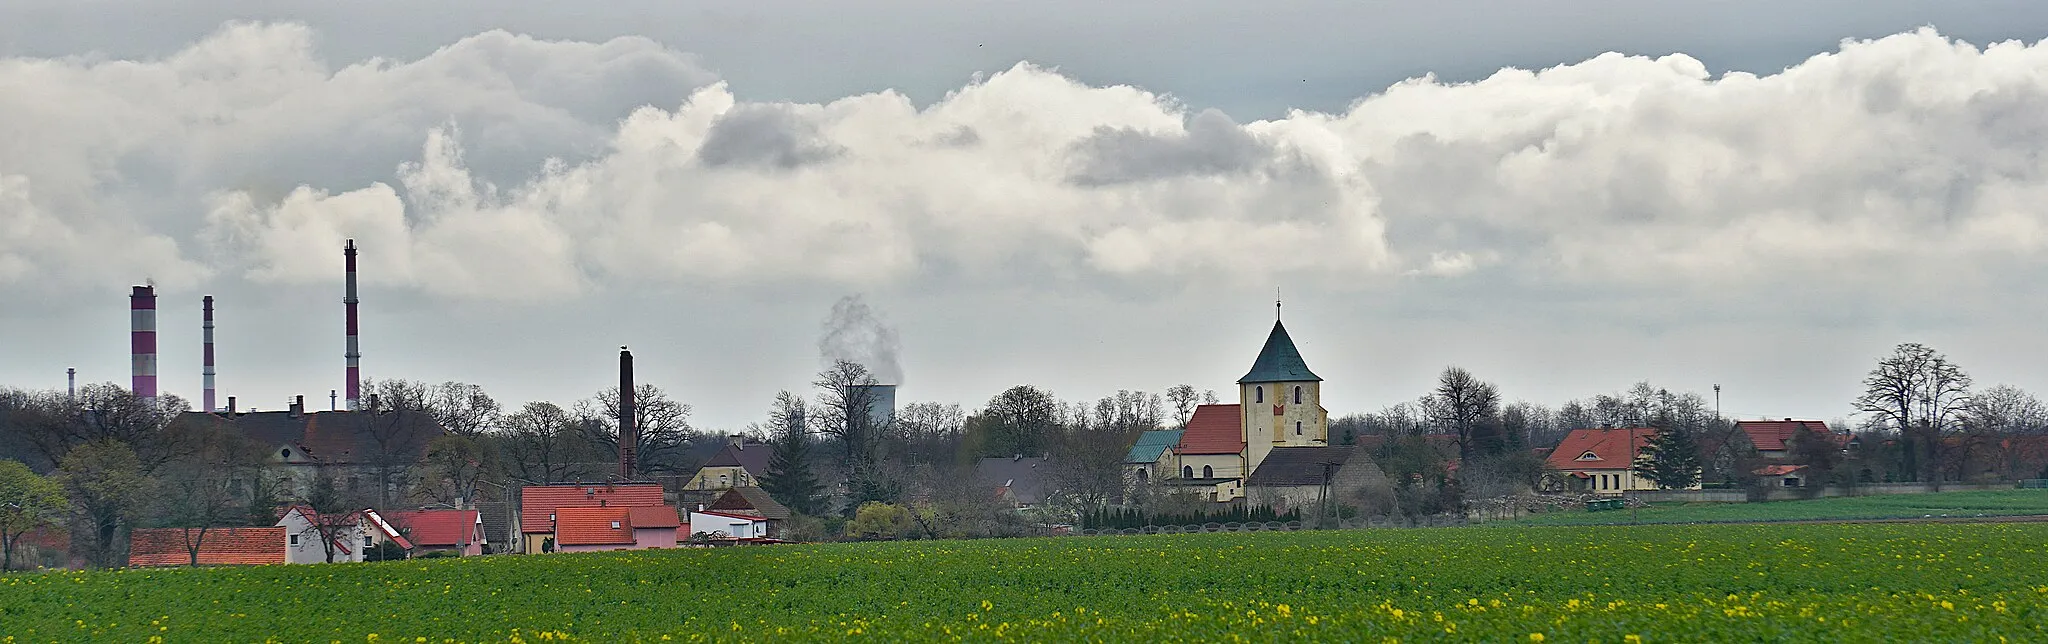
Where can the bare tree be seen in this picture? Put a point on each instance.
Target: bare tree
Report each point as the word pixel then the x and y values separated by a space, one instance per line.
pixel 933 430
pixel 1183 398
pixel 462 408
pixel 541 443
pixel 205 489
pixel 845 398
pixel 1021 420
pixel 55 422
pixel 106 484
pixel 663 423
pixel 1470 409
pixel 399 423
pixel 455 467
pixel 2008 410
pixel 1917 391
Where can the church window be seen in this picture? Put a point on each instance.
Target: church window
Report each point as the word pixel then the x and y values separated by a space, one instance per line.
pixel 1208 472
pixel 1187 471
pixel 1258 394
pixel 1141 475
pixel 1297 428
pixel 1297 394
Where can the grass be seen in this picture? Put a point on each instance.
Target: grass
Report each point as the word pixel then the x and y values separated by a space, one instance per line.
pixel 1990 503
pixel 1807 582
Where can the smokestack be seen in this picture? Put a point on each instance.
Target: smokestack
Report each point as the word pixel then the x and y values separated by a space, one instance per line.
pixel 354 384
pixel 206 375
pixel 142 341
pixel 629 432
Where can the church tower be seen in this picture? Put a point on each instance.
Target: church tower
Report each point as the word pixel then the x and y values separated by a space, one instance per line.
pixel 1282 401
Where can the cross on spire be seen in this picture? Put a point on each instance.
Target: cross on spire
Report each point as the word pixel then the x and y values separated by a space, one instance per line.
pixel 1276 304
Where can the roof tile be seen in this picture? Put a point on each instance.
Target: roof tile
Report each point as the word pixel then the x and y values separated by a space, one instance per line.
pixel 1609 449
pixel 539 501
pixel 593 526
pixel 1215 429
pixel 219 547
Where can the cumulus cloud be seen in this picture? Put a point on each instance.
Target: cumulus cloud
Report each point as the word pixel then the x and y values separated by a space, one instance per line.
pixel 528 172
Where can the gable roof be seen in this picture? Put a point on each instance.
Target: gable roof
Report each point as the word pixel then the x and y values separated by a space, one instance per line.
pixel 1609 449
pixel 497 524
pixel 1153 444
pixel 751 456
pixel 354 436
pixel 750 498
pixel 1279 361
pixel 1774 435
pixel 220 547
pixel 1215 429
pixel 1022 480
pixel 1291 466
pixel 593 526
pixel 456 528
pixel 657 516
pixel 1778 470
pixel 539 501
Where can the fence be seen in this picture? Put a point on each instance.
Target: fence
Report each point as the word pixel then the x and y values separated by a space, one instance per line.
pixel 1793 493
pixel 1439 521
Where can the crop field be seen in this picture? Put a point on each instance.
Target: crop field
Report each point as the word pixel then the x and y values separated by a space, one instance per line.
pixel 1975 503
pixel 1863 582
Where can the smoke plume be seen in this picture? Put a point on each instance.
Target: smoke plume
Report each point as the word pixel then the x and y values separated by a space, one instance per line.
pixel 855 334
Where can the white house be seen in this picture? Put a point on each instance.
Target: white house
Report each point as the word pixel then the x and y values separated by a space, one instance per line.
pixel 736 526
pixel 354 534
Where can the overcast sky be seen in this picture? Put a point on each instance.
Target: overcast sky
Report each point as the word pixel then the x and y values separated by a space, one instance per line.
pixel 1563 197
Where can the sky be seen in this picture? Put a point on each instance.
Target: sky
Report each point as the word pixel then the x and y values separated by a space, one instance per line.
pixel 1082 196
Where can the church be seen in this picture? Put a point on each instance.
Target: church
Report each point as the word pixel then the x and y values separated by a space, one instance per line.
pixel 1277 436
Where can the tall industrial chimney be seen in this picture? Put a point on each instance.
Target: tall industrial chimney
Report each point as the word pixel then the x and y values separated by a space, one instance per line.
pixel 142 341
pixel 206 375
pixel 629 431
pixel 354 384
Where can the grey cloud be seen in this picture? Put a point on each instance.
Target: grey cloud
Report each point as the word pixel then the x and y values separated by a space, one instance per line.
pixel 1212 144
pixel 768 136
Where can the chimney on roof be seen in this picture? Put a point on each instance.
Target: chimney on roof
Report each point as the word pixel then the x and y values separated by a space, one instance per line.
pixel 1788 420
pixel 738 441
pixel 231 405
pixel 629 431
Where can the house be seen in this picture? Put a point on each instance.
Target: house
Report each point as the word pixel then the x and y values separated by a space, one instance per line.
pixel 501 532
pixel 538 505
pixel 1773 438
pixel 457 531
pixel 738 463
pixel 590 529
pixel 726 525
pixel 1152 455
pixel 1017 480
pixel 1785 475
pixel 752 501
pixel 1279 405
pixel 1303 477
pixel 353 448
pixel 353 535
pixel 242 546
pixel 1601 460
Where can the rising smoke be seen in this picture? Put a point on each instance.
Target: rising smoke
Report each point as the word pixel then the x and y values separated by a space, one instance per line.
pixel 855 334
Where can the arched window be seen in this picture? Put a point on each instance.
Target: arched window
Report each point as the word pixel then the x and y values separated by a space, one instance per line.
pixel 1297 394
pixel 1187 471
pixel 1297 428
pixel 1141 475
pixel 1258 394
pixel 1208 472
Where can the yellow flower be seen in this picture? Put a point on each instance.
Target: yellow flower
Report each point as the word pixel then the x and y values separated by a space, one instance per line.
pixel 1535 637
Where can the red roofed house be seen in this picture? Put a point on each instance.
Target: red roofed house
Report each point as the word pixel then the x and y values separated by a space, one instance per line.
pixel 1773 438
pixel 1787 475
pixel 539 504
pixel 1279 406
pixel 244 546
pixel 457 531
pixel 1601 460
pixel 587 529
pixel 350 536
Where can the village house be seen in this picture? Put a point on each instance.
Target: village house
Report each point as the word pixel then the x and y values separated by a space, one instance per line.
pixel 590 529
pixel 539 505
pixel 1151 456
pixel 354 449
pixel 726 525
pixel 1773 438
pixel 460 532
pixel 1600 460
pixel 1019 481
pixel 754 502
pixel 238 546
pixel 1784 475
pixel 1312 479
pixel 353 535
pixel 738 463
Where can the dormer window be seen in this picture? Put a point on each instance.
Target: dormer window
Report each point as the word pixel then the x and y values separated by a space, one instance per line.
pixel 1589 456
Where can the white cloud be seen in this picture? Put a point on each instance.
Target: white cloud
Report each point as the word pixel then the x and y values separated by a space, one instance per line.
pixel 1618 169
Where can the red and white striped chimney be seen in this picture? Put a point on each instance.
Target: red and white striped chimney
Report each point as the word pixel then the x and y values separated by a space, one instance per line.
pixel 142 341
pixel 206 374
pixel 354 386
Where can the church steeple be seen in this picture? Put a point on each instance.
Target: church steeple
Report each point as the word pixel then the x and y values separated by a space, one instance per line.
pixel 1279 361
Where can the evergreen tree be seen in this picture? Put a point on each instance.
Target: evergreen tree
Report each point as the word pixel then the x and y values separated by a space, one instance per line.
pixel 789 479
pixel 1671 459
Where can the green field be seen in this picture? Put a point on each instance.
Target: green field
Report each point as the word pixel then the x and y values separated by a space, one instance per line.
pixel 1989 503
pixel 1859 582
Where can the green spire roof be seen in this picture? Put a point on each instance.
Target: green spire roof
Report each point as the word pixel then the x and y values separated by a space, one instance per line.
pixel 1279 361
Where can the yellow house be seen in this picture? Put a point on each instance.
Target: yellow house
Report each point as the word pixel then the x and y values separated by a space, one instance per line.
pixel 737 464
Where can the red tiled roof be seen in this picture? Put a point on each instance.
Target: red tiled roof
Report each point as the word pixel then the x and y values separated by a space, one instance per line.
pixel 660 516
pixel 220 547
pixel 539 501
pixel 1215 429
pixel 1776 435
pixel 1778 470
pixel 1609 447
pixel 438 527
pixel 593 526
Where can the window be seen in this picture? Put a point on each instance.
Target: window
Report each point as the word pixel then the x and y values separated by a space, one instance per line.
pixel 1258 394
pixel 1297 394
pixel 1141 475
pixel 1208 472
pixel 1187 471
pixel 293 539
pixel 286 452
pixel 366 541
pixel 1589 456
pixel 1297 427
